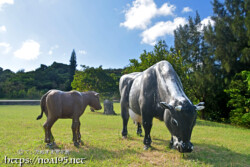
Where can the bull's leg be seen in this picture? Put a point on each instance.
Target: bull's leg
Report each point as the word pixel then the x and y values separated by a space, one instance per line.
pixel 75 128
pixel 125 118
pixel 147 125
pixel 171 143
pixel 49 138
pixel 139 130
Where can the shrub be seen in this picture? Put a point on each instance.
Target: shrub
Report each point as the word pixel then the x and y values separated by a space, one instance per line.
pixel 239 92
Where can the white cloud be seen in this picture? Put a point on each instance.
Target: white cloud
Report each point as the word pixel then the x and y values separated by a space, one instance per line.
pixel 3 2
pixel 166 10
pixel 3 29
pixel 186 10
pixel 161 29
pixel 142 11
pixel 52 49
pixel 82 52
pixel 205 22
pixel 6 47
pixel 30 50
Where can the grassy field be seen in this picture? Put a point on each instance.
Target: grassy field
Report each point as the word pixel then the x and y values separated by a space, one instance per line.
pixel 21 136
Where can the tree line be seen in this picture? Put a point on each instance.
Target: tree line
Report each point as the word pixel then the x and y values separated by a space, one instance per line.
pixel 33 84
pixel 213 63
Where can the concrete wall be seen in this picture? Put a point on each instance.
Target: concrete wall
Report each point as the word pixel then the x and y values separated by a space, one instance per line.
pixel 19 102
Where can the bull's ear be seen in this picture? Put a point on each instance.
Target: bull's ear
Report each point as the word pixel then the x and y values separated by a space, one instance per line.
pixel 198 108
pixel 166 106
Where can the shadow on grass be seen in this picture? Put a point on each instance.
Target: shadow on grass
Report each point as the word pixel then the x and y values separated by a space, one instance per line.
pixel 161 142
pixel 217 156
pixel 211 154
pixel 99 154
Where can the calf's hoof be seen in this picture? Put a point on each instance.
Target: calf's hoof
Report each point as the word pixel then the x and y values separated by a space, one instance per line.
pixel 146 147
pixel 81 142
pixel 47 140
pixel 51 145
pixel 76 144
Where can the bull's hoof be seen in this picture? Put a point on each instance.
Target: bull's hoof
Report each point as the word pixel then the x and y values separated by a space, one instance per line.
pixel 76 144
pixel 139 134
pixel 124 137
pixel 147 147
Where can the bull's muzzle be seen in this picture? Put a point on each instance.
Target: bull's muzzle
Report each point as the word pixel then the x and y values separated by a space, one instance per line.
pixel 186 147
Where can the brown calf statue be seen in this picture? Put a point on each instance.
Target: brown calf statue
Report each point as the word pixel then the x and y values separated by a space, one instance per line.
pixel 58 104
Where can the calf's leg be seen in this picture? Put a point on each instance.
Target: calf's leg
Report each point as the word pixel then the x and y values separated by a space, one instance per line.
pixel 75 130
pixel 47 128
pixel 78 133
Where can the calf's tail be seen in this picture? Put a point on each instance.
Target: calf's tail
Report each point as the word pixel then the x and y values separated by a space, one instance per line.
pixel 43 105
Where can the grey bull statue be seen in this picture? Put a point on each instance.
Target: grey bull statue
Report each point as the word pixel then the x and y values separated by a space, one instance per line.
pixel 58 104
pixel 158 92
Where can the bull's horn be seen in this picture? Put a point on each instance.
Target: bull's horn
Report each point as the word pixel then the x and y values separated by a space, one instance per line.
pixel 96 94
pixel 178 108
pixel 201 104
pixel 198 108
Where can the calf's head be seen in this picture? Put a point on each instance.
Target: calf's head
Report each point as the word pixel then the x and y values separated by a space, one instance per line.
pixel 94 100
pixel 180 121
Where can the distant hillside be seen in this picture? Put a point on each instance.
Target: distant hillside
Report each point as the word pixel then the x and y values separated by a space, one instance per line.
pixel 34 83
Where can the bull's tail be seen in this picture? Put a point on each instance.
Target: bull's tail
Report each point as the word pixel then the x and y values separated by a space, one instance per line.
pixel 43 105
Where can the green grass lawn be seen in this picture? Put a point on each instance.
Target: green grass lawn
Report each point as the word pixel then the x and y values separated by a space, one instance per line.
pixel 22 136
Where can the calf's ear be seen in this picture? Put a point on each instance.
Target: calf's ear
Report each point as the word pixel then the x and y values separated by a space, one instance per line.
pixel 166 106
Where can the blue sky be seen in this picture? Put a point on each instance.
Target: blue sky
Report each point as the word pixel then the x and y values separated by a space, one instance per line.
pixel 102 32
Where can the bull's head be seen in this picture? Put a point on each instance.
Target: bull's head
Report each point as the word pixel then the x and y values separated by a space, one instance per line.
pixel 180 122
